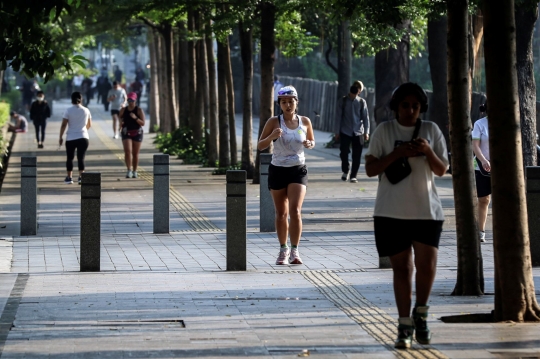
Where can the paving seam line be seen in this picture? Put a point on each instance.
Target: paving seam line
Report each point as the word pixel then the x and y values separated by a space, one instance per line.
pixel 372 319
pixel 10 310
pixel 190 213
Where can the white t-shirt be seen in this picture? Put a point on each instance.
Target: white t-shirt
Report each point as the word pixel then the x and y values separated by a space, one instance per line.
pixel 415 197
pixel 77 116
pixel 481 132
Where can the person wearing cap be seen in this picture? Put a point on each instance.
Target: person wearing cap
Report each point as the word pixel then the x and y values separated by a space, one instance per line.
pixel 39 113
pixel 132 122
pixel 407 153
pixel 117 97
pixel 287 173
pixel 351 127
pixel 21 124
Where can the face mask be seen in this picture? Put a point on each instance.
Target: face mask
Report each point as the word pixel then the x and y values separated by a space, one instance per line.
pixel 40 98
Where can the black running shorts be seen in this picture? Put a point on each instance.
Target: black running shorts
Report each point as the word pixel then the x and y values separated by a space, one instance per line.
pixel 483 184
pixel 280 177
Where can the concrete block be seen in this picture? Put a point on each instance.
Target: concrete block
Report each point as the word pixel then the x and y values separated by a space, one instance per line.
pixel 533 211
pixel 267 217
pixel 28 196
pixel 90 222
pixel 236 221
pixel 161 193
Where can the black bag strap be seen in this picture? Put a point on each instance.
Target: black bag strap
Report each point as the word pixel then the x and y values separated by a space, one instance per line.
pixel 416 129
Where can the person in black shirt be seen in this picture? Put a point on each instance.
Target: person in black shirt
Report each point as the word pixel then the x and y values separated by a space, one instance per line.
pixel 132 122
pixel 39 113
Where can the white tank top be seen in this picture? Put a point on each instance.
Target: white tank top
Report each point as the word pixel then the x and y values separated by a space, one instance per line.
pixel 289 148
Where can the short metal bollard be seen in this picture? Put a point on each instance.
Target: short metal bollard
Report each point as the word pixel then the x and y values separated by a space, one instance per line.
pixel 533 212
pixel 28 196
pixel 90 221
pixel 267 216
pixel 384 263
pixel 236 221
pixel 161 193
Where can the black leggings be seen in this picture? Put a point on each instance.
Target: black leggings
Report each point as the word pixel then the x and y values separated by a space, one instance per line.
pixel 81 145
pixel 40 128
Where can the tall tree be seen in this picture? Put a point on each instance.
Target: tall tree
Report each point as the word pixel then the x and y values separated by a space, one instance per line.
pixel 469 275
pixel 224 144
pixel 166 30
pixel 196 123
pixel 526 16
pixel 192 69
pixel 230 102
pixel 514 286
pixel 246 45
pixel 183 76
pixel 153 96
pixel 213 98
pixel 344 58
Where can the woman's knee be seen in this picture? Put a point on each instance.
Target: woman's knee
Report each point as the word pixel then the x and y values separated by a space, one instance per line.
pixel 282 215
pixel 484 201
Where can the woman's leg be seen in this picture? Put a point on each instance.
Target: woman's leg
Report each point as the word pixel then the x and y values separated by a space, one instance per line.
pixel 281 204
pixel 483 204
pixel 136 148
pixel 402 267
pixel 127 153
pixel 82 146
pixel 70 153
pixel 295 193
pixel 425 261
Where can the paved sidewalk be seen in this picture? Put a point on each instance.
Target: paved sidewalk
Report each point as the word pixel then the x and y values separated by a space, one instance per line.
pixel 168 296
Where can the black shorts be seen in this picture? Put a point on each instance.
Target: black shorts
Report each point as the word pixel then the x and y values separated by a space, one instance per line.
pixel 393 236
pixel 137 138
pixel 280 177
pixel 483 184
pixel 115 112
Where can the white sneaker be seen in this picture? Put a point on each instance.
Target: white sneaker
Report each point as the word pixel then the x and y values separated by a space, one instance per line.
pixel 129 174
pixel 115 136
pixel 353 180
pixel 283 257
pixel 135 175
pixel 482 236
pixel 295 257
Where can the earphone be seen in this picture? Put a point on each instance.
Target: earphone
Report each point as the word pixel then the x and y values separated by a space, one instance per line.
pixel 409 87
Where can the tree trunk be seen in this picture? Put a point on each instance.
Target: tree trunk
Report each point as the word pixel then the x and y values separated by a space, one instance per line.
pixel 192 71
pixel 183 77
pixel 164 94
pixel 1 80
pixel 213 143
pixel 468 241
pixel 224 148
pixel 344 58
pixel 438 106
pixel 514 286
pixel 197 124
pixel 230 103
pixel 268 47
pixel 391 70
pixel 168 41
pixel 204 82
pixel 525 21
pixel 153 96
pixel 246 44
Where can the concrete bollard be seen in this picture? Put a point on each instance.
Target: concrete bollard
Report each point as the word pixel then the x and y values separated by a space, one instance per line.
pixel 533 211
pixel 90 221
pixel 161 193
pixel 267 217
pixel 236 221
pixel 28 196
pixel 384 263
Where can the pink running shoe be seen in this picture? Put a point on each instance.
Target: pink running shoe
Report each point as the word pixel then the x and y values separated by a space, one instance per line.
pixel 283 257
pixel 295 257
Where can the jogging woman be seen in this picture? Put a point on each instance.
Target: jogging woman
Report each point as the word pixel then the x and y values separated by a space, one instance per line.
pixel 131 123
pixel 78 120
pixel 287 173
pixel 480 143
pixel 408 213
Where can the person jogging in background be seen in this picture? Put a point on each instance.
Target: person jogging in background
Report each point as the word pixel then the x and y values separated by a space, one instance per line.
pixel 287 173
pixel 77 119
pixel 482 166
pixel 406 153
pixel 117 97
pixel 132 124
pixel 39 113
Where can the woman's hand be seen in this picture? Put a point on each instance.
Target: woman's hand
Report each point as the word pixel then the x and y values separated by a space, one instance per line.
pixel 133 116
pixel 276 134
pixel 308 144
pixel 486 165
pixel 421 145
pixel 406 149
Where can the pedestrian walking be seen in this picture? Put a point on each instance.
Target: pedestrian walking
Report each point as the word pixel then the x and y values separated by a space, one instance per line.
pixel 117 97
pixel 287 173
pixel 482 167
pixel 132 133
pixel 351 127
pixel 103 87
pixel 118 74
pixel 408 216
pixel 39 113
pixel 21 124
pixel 77 119
pixel 277 86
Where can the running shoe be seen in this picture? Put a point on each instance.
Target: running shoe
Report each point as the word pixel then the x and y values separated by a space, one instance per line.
pixel 135 174
pixel 404 338
pixel 420 316
pixel 482 236
pixel 80 180
pixel 344 176
pixel 115 136
pixel 129 174
pixel 353 180
pixel 283 257
pixel 295 257
pixel 68 180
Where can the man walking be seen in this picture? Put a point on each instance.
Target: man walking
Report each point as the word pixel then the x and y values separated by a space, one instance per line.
pixel 351 127
pixel 117 97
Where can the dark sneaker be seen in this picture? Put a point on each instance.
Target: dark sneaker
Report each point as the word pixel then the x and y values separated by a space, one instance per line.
pixel 404 338
pixel 68 180
pixel 420 316
pixel 344 176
